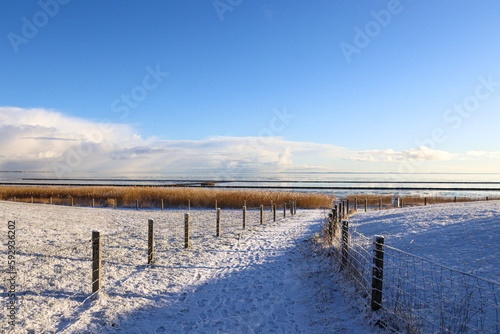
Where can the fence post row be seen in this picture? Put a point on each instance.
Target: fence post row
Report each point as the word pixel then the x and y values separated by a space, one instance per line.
pixel 186 230
pixel 345 241
pixel 377 272
pixel 151 241
pixel 218 223
pixel 96 261
pixel 244 217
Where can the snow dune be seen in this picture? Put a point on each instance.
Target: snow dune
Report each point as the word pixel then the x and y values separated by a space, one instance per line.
pixel 264 279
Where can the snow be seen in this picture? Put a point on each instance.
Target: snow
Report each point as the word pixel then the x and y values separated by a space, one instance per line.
pixel 264 279
pixel 461 236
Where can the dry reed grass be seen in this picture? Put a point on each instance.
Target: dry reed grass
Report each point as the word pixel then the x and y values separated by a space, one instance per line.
pixel 150 197
pixel 373 199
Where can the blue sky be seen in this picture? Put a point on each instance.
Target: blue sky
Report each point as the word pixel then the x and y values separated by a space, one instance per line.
pixel 327 85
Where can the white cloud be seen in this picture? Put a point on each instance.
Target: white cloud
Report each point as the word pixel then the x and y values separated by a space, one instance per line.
pixel 421 153
pixel 39 139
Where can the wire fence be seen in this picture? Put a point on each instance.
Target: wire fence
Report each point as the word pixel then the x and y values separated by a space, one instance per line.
pixel 416 295
pixel 54 284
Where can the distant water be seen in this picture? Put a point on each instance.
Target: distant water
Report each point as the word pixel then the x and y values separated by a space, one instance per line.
pixel 339 184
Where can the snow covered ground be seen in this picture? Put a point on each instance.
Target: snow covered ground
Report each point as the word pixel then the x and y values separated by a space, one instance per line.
pixel 264 279
pixel 463 236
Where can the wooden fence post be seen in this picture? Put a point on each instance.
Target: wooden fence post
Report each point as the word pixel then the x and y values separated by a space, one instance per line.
pixel 334 222
pixel 245 202
pixel 244 217
pixel 189 205
pixel 218 223
pixel 137 204
pixel 377 272
pixel 347 206
pixel 261 214
pixel 294 207
pixel 291 208
pixel 341 211
pixel 51 201
pixel 215 205
pixel 151 241
pixel 186 230
pixel 366 204
pixel 93 203
pixel 380 203
pixel 272 205
pixel 402 202
pixel 14 198
pixel 71 201
pixel 345 242
pixel 274 211
pixel 284 210
pixel 425 200
pixel 455 199
pixel 32 200
pixel 355 204
pixel 162 206
pixel 96 261
pixel 115 203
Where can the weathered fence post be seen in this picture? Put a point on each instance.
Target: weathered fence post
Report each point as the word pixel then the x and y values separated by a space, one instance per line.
pixel 377 272
pixel 284 210
pixel 244 202
pixel 162 206
pixel 274 211
pixel 345 241
pixel 402 202
pixel 291 208
pixel 380 203
pixel 218 223
pixel 355 204
pixel 93 203
pixel 330 226
pixel 366 204
pixel 51 201
pixel 425 200
pixel 115 203
pixel 186 230
pixel 32 200
pixel 261 214
pixel 272 205
pixel 244 217
pixel 455 199
pixel 96 261
pixel 189 205
pixel 334 222
pixel 341 211
pixel 137 204
pixel 347 206
pixel 151 241
pixel 294 207
pixel 215 205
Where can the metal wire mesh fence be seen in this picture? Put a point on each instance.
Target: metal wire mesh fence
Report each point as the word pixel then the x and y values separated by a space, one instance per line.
pixel 417 295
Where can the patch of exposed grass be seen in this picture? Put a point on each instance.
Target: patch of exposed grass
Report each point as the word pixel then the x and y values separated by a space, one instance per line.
pixel 150 197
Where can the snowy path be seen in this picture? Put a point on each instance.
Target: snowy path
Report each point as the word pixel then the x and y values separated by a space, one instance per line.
pixel 260 284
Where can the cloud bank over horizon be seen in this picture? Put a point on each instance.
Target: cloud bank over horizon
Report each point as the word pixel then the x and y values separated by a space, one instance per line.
pixel 43 139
